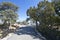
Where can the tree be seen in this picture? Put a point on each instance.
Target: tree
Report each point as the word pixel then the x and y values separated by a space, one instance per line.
pixel 32 12
pixel 57 11
pixel 8 10
pixel 48 15
pixel 46 12
pixel 43 14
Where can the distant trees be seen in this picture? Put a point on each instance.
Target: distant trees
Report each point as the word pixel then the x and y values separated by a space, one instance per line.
pixel 48 16
pixel 8 12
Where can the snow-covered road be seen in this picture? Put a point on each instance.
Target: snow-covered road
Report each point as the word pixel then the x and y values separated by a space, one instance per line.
pixel 25 33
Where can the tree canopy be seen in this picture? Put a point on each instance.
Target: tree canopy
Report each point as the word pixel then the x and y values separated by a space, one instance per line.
pixel 8 12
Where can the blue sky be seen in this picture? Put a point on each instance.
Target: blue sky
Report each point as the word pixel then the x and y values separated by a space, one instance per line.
pixel 23 6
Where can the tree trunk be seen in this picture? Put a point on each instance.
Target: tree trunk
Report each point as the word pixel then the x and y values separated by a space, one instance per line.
pixel 36 24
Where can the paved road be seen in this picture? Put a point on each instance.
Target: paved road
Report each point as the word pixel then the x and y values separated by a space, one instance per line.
pixel 25 33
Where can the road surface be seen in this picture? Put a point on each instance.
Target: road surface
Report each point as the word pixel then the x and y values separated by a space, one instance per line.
pixel 26 33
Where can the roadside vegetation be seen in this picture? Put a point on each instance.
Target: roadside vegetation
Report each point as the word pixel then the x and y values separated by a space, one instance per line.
pixel 48 15
pixel 8 16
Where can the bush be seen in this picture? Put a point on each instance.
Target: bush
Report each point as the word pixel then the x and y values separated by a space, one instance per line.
pixel 50 34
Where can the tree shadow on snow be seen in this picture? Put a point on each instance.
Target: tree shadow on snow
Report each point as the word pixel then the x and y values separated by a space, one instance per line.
pixel 28 31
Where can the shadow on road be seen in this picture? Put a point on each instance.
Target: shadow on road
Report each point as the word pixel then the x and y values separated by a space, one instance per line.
pixel 28 31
